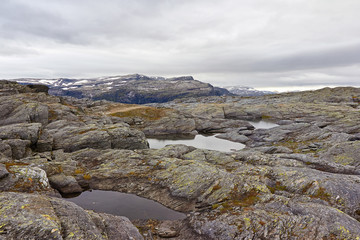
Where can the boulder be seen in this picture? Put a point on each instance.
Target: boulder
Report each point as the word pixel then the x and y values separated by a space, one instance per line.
pixel 72 136
pixel 14 111
pixel 19 148
pixel 23 178
pixel 169 125
pixel 65 184
pixel 24 131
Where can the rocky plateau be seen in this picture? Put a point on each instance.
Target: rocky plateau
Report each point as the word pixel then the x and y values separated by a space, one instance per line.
pixel 299 180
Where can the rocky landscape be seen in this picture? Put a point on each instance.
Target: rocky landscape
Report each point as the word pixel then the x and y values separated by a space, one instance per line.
pixel 299 180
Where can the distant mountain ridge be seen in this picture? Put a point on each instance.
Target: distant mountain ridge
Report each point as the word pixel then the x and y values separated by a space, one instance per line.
pixel 133 88
pixel 247 91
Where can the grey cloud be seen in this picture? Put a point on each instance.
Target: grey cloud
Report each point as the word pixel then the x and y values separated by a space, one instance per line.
pixel 254 42
pixel 337 56
pixel 13 50
pixel 20 21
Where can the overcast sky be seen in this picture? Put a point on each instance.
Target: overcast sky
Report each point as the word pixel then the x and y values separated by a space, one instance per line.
pixel 258 43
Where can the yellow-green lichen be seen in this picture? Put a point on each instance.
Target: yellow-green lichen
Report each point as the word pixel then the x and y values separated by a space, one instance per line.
pixel 343 160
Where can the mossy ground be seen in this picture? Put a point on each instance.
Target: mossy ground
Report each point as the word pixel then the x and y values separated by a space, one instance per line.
pixel 238 199
pixel 146 113
pixel 278 187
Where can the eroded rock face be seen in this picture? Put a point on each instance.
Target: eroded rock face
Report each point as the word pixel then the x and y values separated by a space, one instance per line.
pixel 37 122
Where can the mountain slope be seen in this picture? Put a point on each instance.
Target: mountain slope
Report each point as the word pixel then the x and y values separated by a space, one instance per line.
pixel 135 88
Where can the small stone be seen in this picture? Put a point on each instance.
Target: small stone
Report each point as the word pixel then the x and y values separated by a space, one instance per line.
pixel 168 229
pixel 3 172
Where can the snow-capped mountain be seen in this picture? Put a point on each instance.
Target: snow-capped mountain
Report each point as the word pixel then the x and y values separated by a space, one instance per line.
pixel 134 88
pixel 247 91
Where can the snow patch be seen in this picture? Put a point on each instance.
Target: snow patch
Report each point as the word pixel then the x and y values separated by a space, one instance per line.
pixel 81 81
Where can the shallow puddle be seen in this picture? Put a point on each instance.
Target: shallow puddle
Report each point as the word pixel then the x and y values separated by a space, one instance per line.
pixel 263 124
pixel 123 204
pixel 206 141
pixel 199 141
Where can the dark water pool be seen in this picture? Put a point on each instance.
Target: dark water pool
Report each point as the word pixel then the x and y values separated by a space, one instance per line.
pixel 123 204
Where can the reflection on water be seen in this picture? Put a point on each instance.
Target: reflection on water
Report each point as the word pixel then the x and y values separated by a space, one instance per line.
pixel 263 124
pixel 204 141
pixel 123 204
pixel 199 141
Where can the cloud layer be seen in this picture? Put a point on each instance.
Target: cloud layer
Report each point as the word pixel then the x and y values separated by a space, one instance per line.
pixel 260 43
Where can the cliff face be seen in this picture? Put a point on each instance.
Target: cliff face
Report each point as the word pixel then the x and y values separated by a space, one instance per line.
pixel 138 89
